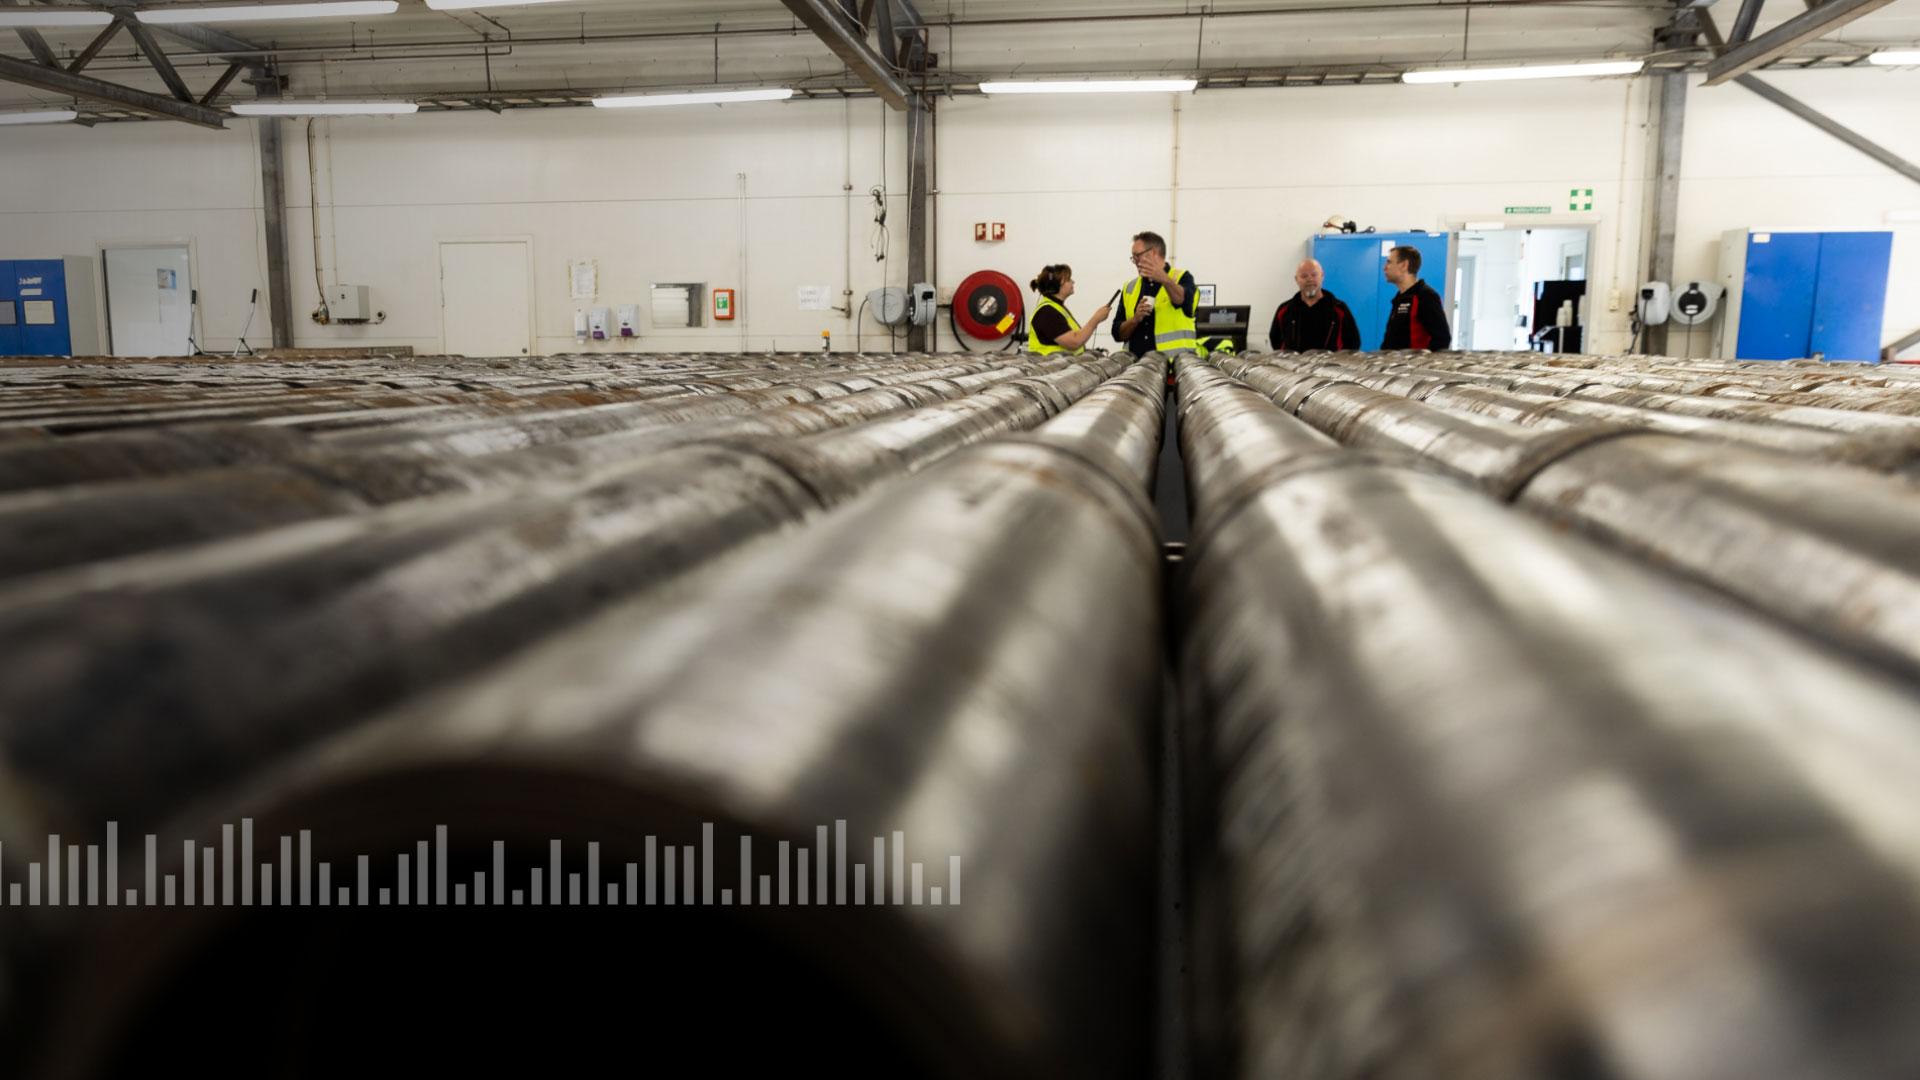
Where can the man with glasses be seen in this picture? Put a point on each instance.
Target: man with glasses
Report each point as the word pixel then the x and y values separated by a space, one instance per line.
pixel 1156 307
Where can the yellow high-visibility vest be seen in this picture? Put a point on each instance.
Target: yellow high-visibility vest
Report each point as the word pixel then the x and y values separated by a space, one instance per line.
pixel 1033 336
pixel 1173 328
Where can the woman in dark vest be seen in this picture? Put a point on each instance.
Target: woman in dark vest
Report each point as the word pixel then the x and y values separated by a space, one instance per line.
pixel 1053 328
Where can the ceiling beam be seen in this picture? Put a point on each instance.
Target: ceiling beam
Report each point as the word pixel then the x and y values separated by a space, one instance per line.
pixel 215 42
pixel 1741 58
pixel 93 48
pixel 1744 21
pixel 829 23
pixel 220 84
pixel 35 42
pixel 157 56
pixel 37 45
pixel 1831 126
pixel 57 81
pixel 1710 30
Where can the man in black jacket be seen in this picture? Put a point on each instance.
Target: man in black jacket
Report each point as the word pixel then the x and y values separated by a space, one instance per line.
pixel 1314 320
pixel 1418 320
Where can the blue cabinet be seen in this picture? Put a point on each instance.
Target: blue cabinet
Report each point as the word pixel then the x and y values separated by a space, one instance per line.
pixel 1355 263
pixel 9 311
pixel 48 307
pixel 41 285
pixel 1797 294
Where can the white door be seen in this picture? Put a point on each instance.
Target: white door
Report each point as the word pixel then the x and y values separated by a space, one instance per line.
pixel 485 309
pixel 1466 291
pixel 150 301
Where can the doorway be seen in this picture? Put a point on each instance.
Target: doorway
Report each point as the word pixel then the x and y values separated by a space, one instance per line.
pixel 150 300
pixel 1466 286
pixel 486 306
pixel 1514 284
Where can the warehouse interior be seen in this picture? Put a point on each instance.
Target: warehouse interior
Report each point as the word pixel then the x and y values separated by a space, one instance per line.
pixel 531 528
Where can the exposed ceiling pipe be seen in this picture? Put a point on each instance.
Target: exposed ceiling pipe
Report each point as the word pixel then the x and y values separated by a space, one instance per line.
pixel 788 30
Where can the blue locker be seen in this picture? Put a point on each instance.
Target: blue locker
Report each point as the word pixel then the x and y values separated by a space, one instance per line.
pixel 1798 294
pixel 1850 302
pixel 41 285
pixel 1355 264
pixel 1776 317
pixel 9 312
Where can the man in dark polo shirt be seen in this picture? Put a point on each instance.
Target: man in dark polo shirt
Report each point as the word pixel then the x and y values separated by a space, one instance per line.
pixel 1315 320
pixel 1418 320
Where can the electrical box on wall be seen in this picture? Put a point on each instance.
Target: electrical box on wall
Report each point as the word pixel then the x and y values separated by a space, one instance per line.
pixel 349 303
pixel 629 316
pixel 888 305
pixel 925 304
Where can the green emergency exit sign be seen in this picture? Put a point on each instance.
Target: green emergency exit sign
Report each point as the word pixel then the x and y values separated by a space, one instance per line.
pixel 1580 199
pixel 1529 209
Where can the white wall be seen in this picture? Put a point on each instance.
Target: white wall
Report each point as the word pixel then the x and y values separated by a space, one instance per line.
pixel 652 195
pixel 1239 180
pixel 1259 170
pixel 66 190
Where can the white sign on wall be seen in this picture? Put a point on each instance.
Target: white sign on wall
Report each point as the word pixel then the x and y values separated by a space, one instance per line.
pixel 816 298
pixel 583 278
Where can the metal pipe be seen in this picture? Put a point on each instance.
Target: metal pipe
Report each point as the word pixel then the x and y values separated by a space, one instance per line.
pixel 918 666
pixel 1475 792
pixel 460 402
pixel 281 479
pixel 285 635
pixel 1890 446
pixel 1831 549
pixel 790 30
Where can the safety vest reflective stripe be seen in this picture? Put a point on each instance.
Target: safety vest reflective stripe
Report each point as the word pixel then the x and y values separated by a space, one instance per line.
pixel 1173 328
pixel 1033 335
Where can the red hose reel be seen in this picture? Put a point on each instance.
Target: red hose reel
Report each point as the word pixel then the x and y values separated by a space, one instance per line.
pixel 987 306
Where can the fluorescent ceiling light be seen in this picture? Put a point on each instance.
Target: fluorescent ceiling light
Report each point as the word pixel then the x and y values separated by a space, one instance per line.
pixel 468 5
pixel 51 18
pixel 49 116
pixel 333 9
pixel 324 108
pixel 1590 70
pixel 1105 86
pixel 705 97
pixel 1895 57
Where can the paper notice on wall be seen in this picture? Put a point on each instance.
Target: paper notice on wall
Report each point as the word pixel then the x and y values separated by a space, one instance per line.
pixel 816 298
pixel 167 279
pixel 583 279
